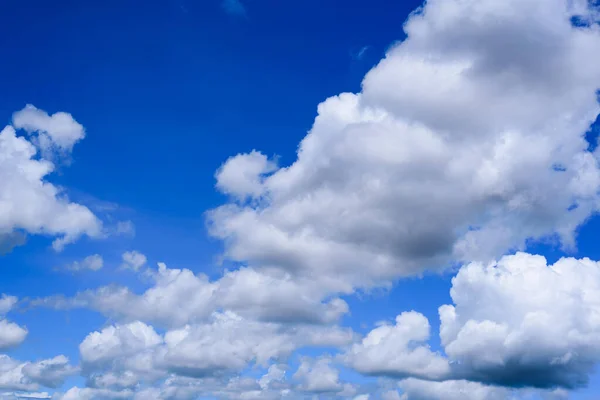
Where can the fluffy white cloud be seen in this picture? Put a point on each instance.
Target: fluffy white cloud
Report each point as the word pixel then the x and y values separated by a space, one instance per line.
pixel 94 262
pixel 133 260
pixel 399 350
pixel 7 303
pixel 49 373
pixel 242 176
pixel 391 395
pixel 276 296
pixel 11 334
pixel 275 373
pixel 415 389
pixel 318 376
pixel 120 356
pixel 230 342
pixel 466 140
pixel 118 341
pixel 28 202
pixel 24 395
pixel 76 393
pixel 179 297
pixel 521 322
pixel 29 376
pixel 59 129
pixel 114 381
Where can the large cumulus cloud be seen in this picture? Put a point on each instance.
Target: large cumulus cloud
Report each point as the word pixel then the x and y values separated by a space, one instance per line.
pixel 522 322
pixel 466 140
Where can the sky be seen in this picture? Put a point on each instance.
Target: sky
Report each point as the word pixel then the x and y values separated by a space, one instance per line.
pixel 263 199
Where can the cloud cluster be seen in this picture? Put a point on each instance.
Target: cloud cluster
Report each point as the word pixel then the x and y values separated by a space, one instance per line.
pixel 178 297
pixel 400 350
pixel 30 376
pixel 94 262
pixel 515 323
pixel 521 322
pixel 319 376
pixel 466 141
pixel 29 203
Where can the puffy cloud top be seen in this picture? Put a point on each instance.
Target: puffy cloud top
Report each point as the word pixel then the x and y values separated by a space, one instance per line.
pixel 399 350
pixel 466 141
pixel 28 202
pixel 59 129
pixel 521 322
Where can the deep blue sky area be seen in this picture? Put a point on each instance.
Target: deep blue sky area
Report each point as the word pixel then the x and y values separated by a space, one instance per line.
pixel 195 84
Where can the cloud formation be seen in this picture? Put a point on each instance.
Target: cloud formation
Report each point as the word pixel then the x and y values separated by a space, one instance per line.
pixel 11 334
pixel 399 350
pixel 31 204
pixel 533 324
pixel 466 141
pixel 94 262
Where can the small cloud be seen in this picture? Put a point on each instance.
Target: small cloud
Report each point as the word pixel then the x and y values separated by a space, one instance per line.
pixel 133 260
pixel 234 7
pixel 125 228
pixel 91 263
pixel 360 54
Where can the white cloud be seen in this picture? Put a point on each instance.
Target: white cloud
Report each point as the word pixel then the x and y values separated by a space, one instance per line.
pixel 29 202
pixel 94 262
pixel 59 129
pixel 114 381
pixel 11 334
pixel 49 373
pixel 399 350
pixel 391 395
pixel 415 389
pixel 118 341
pixel 125 228
pixel 24 395
pixel 318 376
pixel 243 176
pixel 276 296
pixel 77 393
pixel 179 297
pixel 215 347
pixel 133 260
pixel 225 344
pixel 7 303
pixel 29 376
pixel 456 149
pixel 275 373
pixel 532 324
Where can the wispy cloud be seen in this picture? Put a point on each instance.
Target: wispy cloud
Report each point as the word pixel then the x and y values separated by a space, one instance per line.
pixel 234 7
pixel 92 263
pixel 359 55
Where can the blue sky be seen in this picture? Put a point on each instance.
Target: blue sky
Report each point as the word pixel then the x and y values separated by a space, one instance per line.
pixel 288 239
